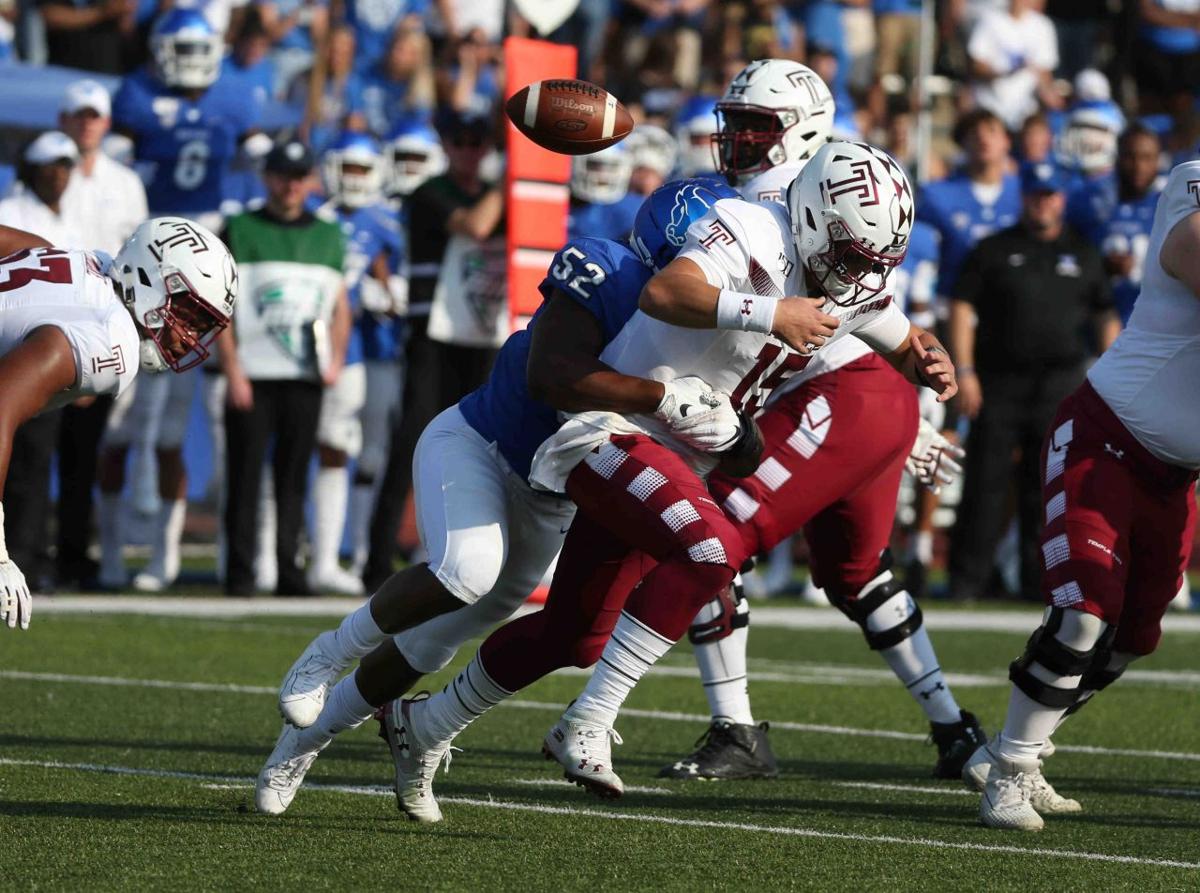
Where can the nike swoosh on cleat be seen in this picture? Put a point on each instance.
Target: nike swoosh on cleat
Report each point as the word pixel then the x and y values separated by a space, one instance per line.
pixel 683 410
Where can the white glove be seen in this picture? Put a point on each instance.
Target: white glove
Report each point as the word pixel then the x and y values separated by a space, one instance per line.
pixel 374 296
pixel 702 418
pixel 933 460
pixel 398 289
pixel 16 603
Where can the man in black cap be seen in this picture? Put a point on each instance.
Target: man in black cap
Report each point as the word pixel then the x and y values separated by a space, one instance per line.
pixel 286 343
pixel 1031 306
pixel 458 312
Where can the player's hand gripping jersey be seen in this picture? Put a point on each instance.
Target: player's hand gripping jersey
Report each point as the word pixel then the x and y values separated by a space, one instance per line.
pixel 743 247
pixel 1148 377
pixel 70 291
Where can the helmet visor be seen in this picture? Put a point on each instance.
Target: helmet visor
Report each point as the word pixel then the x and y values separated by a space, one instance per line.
pixel 746 135
pixel 188 325
pixel 851 272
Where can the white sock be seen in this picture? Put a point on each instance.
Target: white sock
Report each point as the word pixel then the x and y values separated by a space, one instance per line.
pixel 362 503
pixel 345 708
pixel 916 665
pixel 330 494
pixel 632 649
pixel 723 669
pixel 168 531
pixel 468 696
pixel 266 567
pixel 922 547
pixel 1029 724
pixel 356 636
pixel 112 539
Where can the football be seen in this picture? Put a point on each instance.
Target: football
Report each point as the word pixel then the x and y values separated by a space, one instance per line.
pixel 570 117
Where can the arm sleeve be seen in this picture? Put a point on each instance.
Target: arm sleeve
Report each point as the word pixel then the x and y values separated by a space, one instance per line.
pixel 886 331
pixel 717 244
pixel 970 284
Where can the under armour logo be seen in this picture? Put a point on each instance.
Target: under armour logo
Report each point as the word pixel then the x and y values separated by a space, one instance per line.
pixel 1109 448
pixel 747 307
pixel 690 768
pixel 930 692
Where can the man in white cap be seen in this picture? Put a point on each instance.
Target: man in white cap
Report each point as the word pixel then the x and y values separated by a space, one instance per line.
pixel 35 205
pixel 104 198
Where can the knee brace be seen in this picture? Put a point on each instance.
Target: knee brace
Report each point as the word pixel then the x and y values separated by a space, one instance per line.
pixel 1068 643
pixel 1105 670
pixel 883 609
pixel 720 617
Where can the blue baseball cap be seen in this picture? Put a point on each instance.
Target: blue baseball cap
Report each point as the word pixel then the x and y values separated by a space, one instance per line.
pixel 1042 176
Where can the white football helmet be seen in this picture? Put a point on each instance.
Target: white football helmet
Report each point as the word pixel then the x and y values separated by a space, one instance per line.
pixel 1089 140
pixel 603 177
pixel 775 111
pixel 187 50
pixel 654 148
pixel 414 154
pixel 694 128
pixel 179 282
pixel 352 171
pixel 851 211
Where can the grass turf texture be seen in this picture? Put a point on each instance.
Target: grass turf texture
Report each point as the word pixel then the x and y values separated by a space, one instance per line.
pixel 69 826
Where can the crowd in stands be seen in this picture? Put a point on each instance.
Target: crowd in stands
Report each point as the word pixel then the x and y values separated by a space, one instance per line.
pixel 398 104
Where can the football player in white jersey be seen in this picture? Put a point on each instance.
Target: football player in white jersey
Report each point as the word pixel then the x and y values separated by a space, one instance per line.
pixel 828 431
pixel 720 311
pixel 80 324
pixel 1120 465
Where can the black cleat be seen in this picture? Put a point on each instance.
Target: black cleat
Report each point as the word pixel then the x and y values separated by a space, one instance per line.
pixel 727 750
pixel 956 741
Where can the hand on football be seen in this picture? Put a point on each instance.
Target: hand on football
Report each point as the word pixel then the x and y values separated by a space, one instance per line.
pixel 16 604
pixel 802 325
pixel 699 416
pixel 934 460
pixel 935 368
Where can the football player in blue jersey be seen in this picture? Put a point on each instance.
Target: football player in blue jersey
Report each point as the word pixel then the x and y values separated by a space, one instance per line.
pixel 979 199
pixel 352 170
pixel 1117 214
pixel 602 207
pixel 489 535
pixel 186 123
pixel 413 154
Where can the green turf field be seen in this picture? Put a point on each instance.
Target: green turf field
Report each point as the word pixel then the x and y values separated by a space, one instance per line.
pixel 142 778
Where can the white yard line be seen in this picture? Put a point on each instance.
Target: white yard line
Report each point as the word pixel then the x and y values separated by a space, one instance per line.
pixel 904 788
pixel 563 783
pixel 1016 621
pixel 668 716
pixel 643 817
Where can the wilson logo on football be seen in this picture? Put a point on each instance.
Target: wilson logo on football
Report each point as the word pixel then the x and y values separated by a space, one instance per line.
pixel 861 185
pixel 566 102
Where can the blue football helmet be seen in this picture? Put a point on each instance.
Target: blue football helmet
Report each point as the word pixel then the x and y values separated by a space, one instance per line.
pixel 352 170
pixel 186 49
pixel 414 155
pixel 662 222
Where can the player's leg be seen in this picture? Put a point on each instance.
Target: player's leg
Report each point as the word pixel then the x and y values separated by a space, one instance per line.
pixel 163 566
pixel 339 438
pixel 247 434
pixel 384 387
pixel 110 478
pixel 213 388
pixel 295 443
pixel 78 452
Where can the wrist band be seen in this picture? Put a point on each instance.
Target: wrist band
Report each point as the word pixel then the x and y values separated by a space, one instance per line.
pixel 745 312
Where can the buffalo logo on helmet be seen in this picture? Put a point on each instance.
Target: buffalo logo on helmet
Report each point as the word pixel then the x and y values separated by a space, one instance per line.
pixel 683 212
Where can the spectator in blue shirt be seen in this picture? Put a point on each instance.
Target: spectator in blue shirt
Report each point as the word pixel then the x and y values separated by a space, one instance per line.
pixel 401 85
pixel 296 28
pixel 249 64
pixel 1166 59
pixel 375 22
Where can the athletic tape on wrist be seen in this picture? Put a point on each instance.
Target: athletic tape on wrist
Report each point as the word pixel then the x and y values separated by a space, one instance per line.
pixel 745 312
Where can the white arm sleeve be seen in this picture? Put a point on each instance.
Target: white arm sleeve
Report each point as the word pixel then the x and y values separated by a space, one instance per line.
pixel 885 331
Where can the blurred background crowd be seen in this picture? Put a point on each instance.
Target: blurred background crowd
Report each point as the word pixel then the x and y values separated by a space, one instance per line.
pixel 384 118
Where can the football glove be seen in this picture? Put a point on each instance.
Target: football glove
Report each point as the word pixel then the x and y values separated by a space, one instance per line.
pixel 934 460
pixel 16 603
pixel 702 418
pixel 742 459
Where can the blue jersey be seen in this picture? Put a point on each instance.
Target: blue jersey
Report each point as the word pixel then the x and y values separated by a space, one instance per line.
pixel 1116 227
pixel 367 232
pixel 603 277
pixel 611 221
pixel 374 23
pixel 951 207
pixel 381 101
pixel 188 145
pixel 915 280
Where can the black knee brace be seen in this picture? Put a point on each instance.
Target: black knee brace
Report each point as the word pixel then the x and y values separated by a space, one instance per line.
pixel 727 619
pixel 874 595
pixel 1047 651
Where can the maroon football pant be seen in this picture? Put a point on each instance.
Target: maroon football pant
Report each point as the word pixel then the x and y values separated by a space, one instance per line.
pixel 643 517
pixel 835 451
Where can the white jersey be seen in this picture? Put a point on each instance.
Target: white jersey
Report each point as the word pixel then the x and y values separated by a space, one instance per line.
pixel 771 186
pixel 1149 376
pixel 70 291
pixel 744 247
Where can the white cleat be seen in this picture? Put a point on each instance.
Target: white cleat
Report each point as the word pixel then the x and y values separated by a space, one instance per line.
pixel 147 581
pixel 284 772
pixel 302 694
pixel 334 579
pixel 1041 794
pixel 1006 797
pixel 416 763
pixel 584 750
